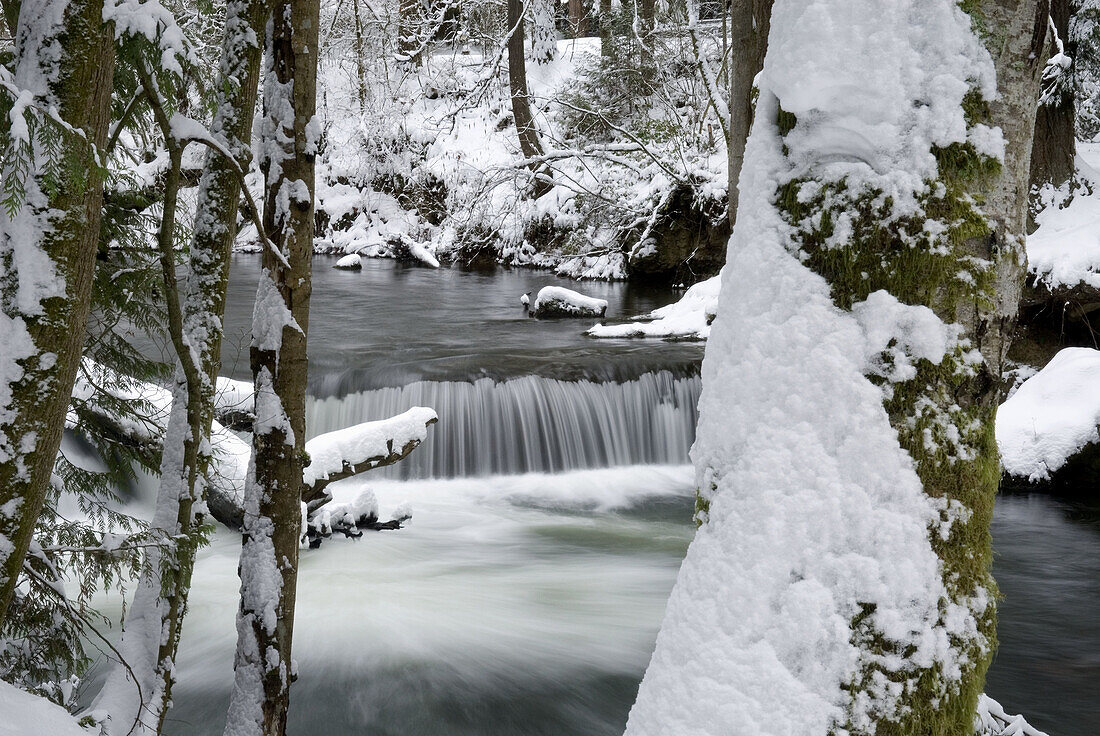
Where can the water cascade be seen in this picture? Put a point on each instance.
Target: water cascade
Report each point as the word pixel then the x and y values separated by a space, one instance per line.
pixel 531 424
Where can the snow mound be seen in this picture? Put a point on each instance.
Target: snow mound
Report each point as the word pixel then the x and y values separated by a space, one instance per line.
pixel 556 301
pixel 351 262
pixel 1065 249
pixel 687 319
pixel 24 714
pixel 1052 416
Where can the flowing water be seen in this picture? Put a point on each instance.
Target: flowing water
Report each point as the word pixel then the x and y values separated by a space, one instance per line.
pixel 552 507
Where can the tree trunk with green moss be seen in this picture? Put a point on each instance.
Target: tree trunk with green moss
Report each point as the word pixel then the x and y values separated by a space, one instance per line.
pixel 840 580
pixel 971 276
pixel 48 240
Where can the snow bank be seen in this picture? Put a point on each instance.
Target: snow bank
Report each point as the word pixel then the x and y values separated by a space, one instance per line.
pixel 556 301
pixel 352 261
pixel 1052 416
pixel 330 453
pixel 688 318
pixel 1065 249
pixel 23 714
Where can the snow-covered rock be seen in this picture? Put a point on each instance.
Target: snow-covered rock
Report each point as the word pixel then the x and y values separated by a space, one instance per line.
pixel 350 262
pixel 687 319
pixel 23 714
pixel 556 301
pixel 1052 418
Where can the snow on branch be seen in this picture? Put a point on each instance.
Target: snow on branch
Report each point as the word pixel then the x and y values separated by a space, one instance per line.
pixel 357 449
pixel 993 721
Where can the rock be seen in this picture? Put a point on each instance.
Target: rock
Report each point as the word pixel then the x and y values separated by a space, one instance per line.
pixel 686 243
pixel 555 301
pixel 1047 431
pixel 350 262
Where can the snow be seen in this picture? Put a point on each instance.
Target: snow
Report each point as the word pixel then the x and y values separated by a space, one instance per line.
pixel 1053 415
pixel 350 261
pixel 231 394
pixel 23 714
pixel 330 452
pixel 557 300
pixel 815 512
pixel 1065 248
pixel 688 318
pixel 346 514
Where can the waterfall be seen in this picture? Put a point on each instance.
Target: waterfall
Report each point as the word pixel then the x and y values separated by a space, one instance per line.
pixel 530 424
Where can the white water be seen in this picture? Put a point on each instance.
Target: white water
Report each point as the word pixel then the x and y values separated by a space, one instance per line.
pixel 511 605
pixel 530 424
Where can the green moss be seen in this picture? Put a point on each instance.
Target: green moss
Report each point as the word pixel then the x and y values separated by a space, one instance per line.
pixel 786 121
pixel 702 508
pixel 860 243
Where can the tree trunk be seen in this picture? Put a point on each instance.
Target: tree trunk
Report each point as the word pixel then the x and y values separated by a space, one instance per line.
pixel 47 257
pixel 272 524
pixel 578 20
pixel 529 142
pixel 750 21
pixel 646 24
pixel 606 28
pixel 1055 143
pixel 825 417
pixel 154 622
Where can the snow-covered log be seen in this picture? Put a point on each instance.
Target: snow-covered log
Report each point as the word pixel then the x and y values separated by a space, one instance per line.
pixel 347 452
pixel 557 301
pixel 1047 430
pixel 351 518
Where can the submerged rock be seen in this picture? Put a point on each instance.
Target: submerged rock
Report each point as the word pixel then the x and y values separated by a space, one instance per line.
pixel 555 301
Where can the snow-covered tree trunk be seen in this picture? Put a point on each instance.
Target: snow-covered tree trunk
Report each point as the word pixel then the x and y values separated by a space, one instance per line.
pixel 644 24
pixel 840 579
pixel 526 129
pixel 1084 36
pixel 49 230
pixel 544 32
pixel 154 622
pixel 272 520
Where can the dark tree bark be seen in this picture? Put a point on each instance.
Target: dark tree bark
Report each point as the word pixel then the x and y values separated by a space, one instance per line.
pixel 1055 144
pixel 750 21
pixel 606 27
pixel 528 133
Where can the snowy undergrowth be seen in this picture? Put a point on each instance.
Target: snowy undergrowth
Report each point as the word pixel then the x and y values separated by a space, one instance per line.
pixel 1065 249
pixel 813 599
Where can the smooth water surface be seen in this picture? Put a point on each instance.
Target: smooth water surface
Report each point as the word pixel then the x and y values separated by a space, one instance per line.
pixel 391 324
